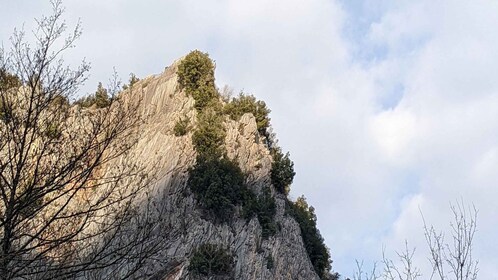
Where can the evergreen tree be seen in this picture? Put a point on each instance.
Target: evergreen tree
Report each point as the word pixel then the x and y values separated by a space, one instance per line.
pixel 101 97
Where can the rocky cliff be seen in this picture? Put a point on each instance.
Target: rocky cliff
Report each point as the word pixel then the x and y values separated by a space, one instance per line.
pixel 280 256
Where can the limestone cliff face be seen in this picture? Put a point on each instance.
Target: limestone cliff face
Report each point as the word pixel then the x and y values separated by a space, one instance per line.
pixel 170 157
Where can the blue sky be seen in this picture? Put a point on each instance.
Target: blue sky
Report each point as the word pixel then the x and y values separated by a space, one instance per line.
pixel 386 107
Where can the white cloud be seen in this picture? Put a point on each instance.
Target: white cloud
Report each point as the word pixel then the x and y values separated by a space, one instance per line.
pixel 394 131
pixel 451 92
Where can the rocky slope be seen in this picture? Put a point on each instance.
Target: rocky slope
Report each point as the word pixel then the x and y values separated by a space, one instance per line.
pixel 171 156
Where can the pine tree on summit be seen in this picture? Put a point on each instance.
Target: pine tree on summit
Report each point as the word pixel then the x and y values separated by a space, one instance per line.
pixel 101 97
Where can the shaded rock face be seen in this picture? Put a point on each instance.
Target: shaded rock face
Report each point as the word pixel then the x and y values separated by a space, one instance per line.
pixel 171 156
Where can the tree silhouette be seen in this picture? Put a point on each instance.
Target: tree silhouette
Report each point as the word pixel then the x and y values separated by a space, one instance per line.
pixel 65 210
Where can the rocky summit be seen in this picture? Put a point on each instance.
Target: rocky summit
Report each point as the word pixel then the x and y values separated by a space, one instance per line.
pixel 186 228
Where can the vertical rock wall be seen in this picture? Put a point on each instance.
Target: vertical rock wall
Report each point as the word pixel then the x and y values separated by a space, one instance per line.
pixel 170 157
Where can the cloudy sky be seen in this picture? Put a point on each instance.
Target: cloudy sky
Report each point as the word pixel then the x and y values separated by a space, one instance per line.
pixel 386 107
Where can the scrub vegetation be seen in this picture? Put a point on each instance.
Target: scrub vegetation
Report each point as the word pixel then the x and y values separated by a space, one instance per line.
pixel 210 261
pixel 218 183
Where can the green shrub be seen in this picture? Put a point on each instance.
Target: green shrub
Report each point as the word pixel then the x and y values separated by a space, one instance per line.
pixel 100 98
pixel 282 171
pixel 211 260
pixel 133 80
pixel 5 111
pixel 181 127
pixel 270 262
pixel 264 208
pixel 196 77
pixel 8 80
pixel 248 104
pixel 60 101
pixel 312 239
pixel 249 204
pixel 85 102
pixel 218 185
pixel 209 137
pixel 266 213
pixel 52 131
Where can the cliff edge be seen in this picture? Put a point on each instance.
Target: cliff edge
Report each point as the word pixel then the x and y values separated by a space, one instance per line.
pixel 165 146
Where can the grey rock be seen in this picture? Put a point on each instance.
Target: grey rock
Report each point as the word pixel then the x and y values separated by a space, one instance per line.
pixel 170 157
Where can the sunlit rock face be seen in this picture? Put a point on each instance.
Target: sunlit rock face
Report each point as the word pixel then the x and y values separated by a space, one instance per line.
pixel 169 157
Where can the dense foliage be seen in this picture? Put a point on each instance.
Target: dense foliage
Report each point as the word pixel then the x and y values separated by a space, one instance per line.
pixel 282 171
pixel 209 137
pixel 210 261
pixel 7 82
pixel 248 104
pixel 181 127
pixel 312 239
pixel 100 99
pixel 133 80
pixel 266 213
pixel 264 208
pixel 218 185
pixel 196 77
pixel 217 182
pixel 270 263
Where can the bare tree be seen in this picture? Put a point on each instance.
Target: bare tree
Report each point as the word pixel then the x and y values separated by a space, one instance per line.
pixel 359 274
pixel 406 272
pixel 454 260
pixel 65 210
pixel 226 93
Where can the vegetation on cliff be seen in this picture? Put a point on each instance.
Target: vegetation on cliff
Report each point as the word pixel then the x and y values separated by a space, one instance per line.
pixel 219 184
pixel 68 211
pixel 210 260
pixel 100 98
pixel 181 126
pixel 209 136
pixel 196 77
pixel 264 208
pixel 313 240
pixel 282 171
pixel 243 104
pixel 8 82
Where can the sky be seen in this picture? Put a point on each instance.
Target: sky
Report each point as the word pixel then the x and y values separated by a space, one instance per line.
pixel 389 109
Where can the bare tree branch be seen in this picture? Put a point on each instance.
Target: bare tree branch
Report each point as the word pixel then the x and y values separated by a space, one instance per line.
pixel 407 271
pixel 66 210
pixel 454 260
